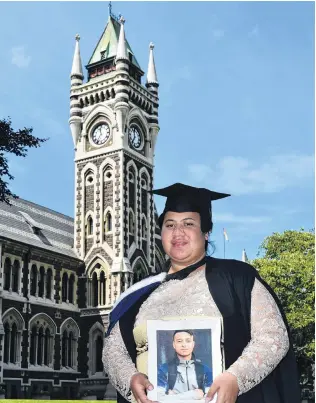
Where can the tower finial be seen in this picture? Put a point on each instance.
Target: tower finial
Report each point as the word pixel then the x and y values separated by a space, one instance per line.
pixel 76 70
pixel 110 8
pixel 121 47
pixel 151 72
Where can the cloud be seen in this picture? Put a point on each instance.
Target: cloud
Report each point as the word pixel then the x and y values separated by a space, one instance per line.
pixel 19 57
pixel 254 31
pixel 218 33
pixel 241 176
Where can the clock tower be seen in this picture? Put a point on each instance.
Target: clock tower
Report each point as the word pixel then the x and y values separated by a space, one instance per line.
pixel 114 126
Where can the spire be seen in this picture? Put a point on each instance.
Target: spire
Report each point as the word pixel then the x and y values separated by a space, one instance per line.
pixel 113 47
pixel 121 47
pixel 76 70
pixel 151 72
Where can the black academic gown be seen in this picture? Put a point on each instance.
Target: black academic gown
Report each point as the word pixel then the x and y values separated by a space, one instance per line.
pixel 230 283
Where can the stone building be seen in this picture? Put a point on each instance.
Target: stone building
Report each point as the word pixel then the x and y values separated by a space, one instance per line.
pixel 60 276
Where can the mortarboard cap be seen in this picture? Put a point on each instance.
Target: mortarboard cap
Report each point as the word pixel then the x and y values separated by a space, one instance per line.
pixel 182 198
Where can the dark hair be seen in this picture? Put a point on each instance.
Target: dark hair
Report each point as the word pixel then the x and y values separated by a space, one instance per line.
pixel 190 332
pixel 207 241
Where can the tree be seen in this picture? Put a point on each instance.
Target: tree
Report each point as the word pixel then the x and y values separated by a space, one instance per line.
pixel 287 265
pixel 13 142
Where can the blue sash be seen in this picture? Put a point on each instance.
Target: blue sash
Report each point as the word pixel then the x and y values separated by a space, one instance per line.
pixel 124 305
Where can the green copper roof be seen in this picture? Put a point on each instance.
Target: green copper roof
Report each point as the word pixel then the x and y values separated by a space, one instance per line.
pixel 107 45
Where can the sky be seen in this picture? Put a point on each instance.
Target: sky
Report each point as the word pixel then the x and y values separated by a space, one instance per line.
pixel 236 110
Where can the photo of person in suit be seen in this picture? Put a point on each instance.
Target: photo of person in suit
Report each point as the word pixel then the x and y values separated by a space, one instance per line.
pixel 184 377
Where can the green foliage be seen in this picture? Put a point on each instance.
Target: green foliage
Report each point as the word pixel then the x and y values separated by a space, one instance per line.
pixel 17 143
pixel 287 265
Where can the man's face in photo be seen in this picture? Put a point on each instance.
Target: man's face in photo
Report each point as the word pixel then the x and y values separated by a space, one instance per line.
pixel 184 344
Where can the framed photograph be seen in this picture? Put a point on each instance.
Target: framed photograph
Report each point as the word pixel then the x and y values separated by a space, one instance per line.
pixel 184 356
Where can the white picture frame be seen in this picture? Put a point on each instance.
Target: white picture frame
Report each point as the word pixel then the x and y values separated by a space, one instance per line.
pixel 206 335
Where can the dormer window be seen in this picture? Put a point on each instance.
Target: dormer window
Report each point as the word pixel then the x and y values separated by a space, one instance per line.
pixel 36 227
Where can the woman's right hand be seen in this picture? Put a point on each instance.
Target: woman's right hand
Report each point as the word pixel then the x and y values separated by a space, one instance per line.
pixel 139 386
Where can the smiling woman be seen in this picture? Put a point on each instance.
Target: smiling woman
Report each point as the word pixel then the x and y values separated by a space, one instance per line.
pixel 182 239
pixel 259 364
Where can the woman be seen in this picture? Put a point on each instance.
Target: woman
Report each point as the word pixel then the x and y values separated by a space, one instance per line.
pixel 259 361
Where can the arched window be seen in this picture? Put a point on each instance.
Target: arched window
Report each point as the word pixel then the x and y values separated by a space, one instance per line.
pixel 13 328
pixel 131 223
pixel 7 274
pixel 7 343
pixel 13 346
pixel 98 354
pixel 33 346
pixel 71 288
pixel 144 228
pixel 95 289
pixel 69 352
pixel 49 277
pixel 42 332
pixel 46 346
pixel 64 349
pixel 64 290
pixel 69 344
pixel 108 223
pixel 34 280
pixel 41 282
pixel 40 347
pixel 96 336
pixel 89 227
pixel 15 276
pixel 102 288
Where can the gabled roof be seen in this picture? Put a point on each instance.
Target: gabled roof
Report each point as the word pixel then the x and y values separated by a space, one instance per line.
pixel 37 226
pixel 108 44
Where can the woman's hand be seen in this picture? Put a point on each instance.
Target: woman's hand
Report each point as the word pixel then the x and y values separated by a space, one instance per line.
pixel 226 387
pixel 139 386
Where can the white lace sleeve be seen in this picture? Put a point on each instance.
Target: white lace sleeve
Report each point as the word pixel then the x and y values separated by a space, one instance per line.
pixel 269 341
pixel 117 362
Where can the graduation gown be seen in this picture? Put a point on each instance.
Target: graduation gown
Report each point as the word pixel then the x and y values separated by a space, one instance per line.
pixel 230 283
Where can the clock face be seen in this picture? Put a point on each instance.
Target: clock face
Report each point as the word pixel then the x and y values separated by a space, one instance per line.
pixel 101 134
pixel 135 137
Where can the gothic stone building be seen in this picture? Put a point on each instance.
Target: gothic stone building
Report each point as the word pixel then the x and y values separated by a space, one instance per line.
pixel 60 276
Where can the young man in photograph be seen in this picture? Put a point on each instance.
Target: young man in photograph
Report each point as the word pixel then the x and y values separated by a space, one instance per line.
pixel 183 377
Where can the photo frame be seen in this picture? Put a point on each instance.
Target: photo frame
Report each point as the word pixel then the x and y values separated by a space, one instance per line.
pixel 184 357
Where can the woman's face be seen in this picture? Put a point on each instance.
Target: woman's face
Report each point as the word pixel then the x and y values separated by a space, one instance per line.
pixel 182 238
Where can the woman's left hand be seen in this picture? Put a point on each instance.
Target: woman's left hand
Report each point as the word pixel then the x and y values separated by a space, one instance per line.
pixel 226 387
